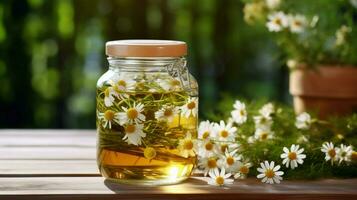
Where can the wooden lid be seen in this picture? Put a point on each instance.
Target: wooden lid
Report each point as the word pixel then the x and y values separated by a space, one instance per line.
pixel 145 48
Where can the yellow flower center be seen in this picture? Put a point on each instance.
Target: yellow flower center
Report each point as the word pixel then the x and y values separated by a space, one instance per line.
pixel 264 135
pixel 149 153
pixel 188 145
pixel 168 112
pixel 130 128
pixel 242 112
pixel 209 146
pixel 109 115
pixel 269 173
pixel 230 160
pixel 191 105
pixel 224 147
pixel 219 180
pixel 244 169
pixel 175 82
pixel 132 113
pixel 297 23
pixel 332 153
pixel 212 163
pixel 224 133
pixel 205 135
pixel 277 21
pixel 122 83
pixel 292 155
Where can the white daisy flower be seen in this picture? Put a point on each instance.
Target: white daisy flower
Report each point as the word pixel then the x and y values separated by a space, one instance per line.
pixel 226 146
pixel 134 133
pixel 330 151
pixel 272 4
pixel 263 122
pixel 109 94
pixel 303 121
pixel 225 132
pixel 208 164
pixel 219 178
pixel 190 108
pixel 293 157
pixel 122 84
pixel 242 169
pixel 344 153
pixel 277 22
pixel 108 117
pixel 239 114
pixel 172 84
pixel 132 114
pixel 270 173
pixel 206 130
pixel 297 23
pixel 206 148
pixel 166 113
pixel 267 110
pixel 186 146
pixel 230 160
pixel 263 134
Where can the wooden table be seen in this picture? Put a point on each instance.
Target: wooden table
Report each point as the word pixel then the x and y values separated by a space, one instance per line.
pixel 60 164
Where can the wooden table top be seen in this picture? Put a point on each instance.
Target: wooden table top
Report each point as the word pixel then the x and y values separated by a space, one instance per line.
pixel 60 164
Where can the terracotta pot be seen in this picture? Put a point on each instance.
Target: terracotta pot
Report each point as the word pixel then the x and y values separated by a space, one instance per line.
pixel 327 90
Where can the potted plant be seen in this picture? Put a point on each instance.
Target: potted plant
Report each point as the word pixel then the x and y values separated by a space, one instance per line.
pixel 320 42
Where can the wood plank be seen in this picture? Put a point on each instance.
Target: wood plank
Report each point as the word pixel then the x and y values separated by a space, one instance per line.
pixel 26 168
pixel 47 153
pixel 30 138
pixel 194 188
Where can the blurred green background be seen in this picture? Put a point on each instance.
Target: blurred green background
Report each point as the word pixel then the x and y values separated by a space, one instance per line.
pixel 52 53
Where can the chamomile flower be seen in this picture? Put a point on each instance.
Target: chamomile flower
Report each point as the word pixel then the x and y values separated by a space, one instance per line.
pixel 303 121
pixel 134 133
pixel 225 132
pixel 267 110
pixel 239 114
pixel 277 22
pixel 122 84
pixel 206 148
pixel 208 164
pixel 166 113
pixel 186 146
pixel 132 114
pixel 109 94
pixel 242 169
pixel 269 173
pixel 344 153
pixel 293 157
pixel 230 160
pixel 297 23
pixel 227 146
pixel 263 134
pixel 108 117
pixel 206 130
pixel 263 122
pixel 190 108
pixel 173 84
pixel 219 178
pixel 330 151
pixel 273 4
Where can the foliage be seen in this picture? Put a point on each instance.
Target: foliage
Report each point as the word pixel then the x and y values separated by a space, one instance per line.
pixel 338 130
pixel 311 32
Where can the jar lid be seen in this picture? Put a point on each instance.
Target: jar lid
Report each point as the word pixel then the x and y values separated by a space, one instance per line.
pixel 145 48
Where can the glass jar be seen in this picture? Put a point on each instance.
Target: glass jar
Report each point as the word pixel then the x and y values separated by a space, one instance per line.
pixel 147 113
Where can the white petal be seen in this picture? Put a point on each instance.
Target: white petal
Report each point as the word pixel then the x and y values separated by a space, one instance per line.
pixel 260 175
